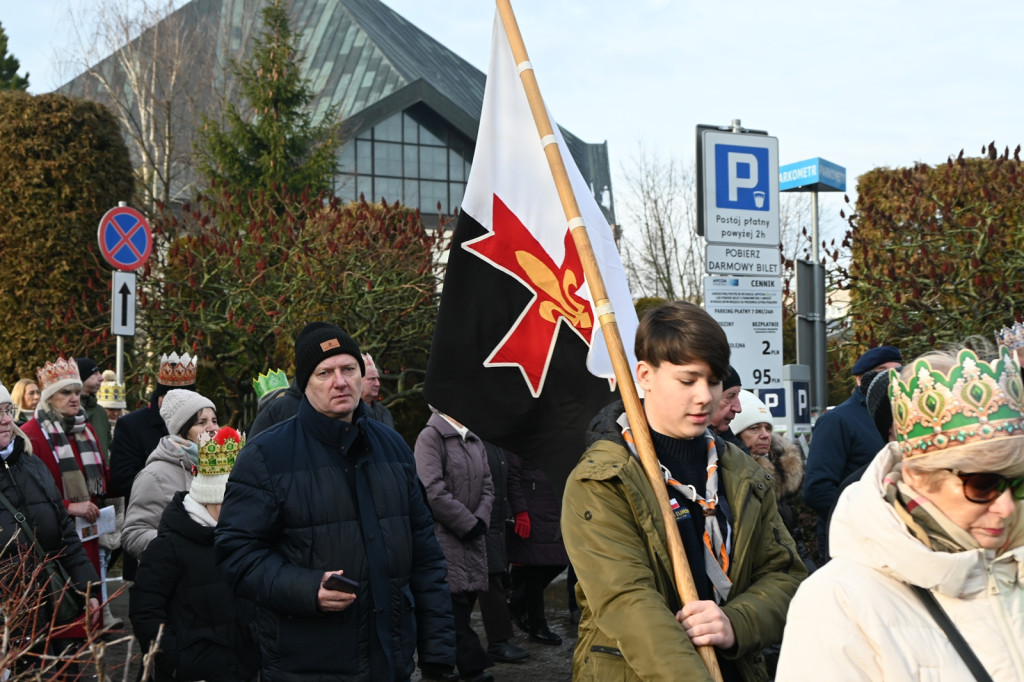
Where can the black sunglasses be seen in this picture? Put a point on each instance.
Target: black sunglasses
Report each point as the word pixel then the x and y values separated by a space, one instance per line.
pixel 985 488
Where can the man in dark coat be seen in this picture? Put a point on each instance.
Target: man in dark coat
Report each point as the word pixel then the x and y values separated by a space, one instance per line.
pixel 844 440
pixel 89 373
pixel 727 409
pixel 371 393
pixel 276 410
pixel 494 600
pixel 333 492
pixel 535 548
pixel 138 433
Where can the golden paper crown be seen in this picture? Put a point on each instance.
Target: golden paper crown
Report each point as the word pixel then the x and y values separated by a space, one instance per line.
pixel 271 381
pixel 1011 337
pixel 62 370
pixel 974 401
pixel 177 371
pixel 110 394
pixel 217 453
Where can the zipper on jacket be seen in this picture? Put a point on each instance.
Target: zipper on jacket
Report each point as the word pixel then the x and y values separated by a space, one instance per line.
pixel 1013 646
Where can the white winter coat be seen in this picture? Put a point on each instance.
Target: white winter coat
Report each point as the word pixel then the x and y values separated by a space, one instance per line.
pixel 858 619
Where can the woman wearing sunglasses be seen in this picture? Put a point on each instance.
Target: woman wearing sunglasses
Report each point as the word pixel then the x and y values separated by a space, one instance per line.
pixel 929 545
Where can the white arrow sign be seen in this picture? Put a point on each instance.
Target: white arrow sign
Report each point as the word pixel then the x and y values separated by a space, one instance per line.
pixel 122 304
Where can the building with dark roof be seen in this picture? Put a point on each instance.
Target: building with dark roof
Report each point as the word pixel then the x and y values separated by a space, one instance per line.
pixel 410 106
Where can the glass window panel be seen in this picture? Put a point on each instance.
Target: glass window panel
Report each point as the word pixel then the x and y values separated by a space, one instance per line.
pixel 410 129
pixel 364 157
pixel 364 186
pixel 433 163
pixel 389 189
pixel 347 158
pixel 412 194
pixel 389 129
pixel 455 166
pixel 428 136
pixel 456 190
pixel 431 193
pixel 387 158
pixel 412 158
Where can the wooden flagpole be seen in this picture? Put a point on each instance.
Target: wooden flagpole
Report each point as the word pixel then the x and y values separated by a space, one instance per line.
pixel 603 308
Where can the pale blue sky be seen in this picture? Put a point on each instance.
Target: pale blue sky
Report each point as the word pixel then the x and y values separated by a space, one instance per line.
pixel 865 84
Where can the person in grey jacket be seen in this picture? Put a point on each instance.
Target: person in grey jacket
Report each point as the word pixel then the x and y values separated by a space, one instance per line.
pixel 452 463
pixel 170 467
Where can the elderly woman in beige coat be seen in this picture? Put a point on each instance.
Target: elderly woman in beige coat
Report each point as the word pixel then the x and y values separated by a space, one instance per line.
pixel 937 519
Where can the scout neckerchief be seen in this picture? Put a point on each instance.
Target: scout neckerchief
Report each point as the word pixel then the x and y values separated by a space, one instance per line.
pixel 716 547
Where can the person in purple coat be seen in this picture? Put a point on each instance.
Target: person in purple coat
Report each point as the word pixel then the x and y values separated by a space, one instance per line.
pixel 452 464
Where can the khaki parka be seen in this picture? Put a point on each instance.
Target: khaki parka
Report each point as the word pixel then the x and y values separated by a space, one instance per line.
pixel 615 537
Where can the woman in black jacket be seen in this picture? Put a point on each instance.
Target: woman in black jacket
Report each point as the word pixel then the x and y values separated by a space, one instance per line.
pixel 27 485
pixel 206 633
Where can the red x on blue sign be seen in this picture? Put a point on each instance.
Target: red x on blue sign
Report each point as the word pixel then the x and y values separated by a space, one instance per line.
pixel 125 238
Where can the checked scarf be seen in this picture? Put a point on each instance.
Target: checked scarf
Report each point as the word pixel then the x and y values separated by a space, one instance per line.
pixel 56 427
pixel 716 547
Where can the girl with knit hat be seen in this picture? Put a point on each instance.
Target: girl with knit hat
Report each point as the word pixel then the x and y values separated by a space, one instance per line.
pixel 206 634
pixel 62 437
pixel 169 468
pixel 927 573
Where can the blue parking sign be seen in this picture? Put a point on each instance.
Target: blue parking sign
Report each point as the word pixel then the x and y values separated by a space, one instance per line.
pixel 742 178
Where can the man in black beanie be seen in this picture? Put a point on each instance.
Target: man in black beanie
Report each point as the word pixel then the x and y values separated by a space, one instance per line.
pixel 325 528
pixel 286 405
pixel 727 409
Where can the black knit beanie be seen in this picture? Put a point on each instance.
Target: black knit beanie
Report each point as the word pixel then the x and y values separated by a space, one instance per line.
pixel 317 342
pixel 731 379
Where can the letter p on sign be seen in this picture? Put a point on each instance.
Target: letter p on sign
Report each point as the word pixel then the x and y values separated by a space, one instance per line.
pixel 735 161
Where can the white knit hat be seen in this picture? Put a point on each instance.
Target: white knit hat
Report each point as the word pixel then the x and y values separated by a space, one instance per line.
pixel 178 407
pixel 754 412
pixel 5 395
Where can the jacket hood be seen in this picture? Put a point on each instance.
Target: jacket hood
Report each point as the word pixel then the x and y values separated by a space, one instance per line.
pixel 867 530
pixel 167 450
pixel 785 463
pixel 604 426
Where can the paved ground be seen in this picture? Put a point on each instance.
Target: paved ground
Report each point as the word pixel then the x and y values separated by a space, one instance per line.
pixel 121 658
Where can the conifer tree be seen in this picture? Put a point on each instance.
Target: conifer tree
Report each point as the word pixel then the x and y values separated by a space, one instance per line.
pixel 9 65
pixel 272 140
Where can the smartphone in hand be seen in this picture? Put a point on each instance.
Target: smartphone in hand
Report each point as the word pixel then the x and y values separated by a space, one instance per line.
pixel 340 583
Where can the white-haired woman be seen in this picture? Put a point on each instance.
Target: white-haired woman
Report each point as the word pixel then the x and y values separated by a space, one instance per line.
pixel 934 530
pixel 61 436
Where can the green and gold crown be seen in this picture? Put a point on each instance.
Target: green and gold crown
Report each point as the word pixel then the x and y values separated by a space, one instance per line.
pixel 217 453
pixel 974 401
pixel 271 381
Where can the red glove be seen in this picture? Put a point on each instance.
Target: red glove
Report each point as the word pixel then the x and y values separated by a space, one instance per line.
pixel 522 527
